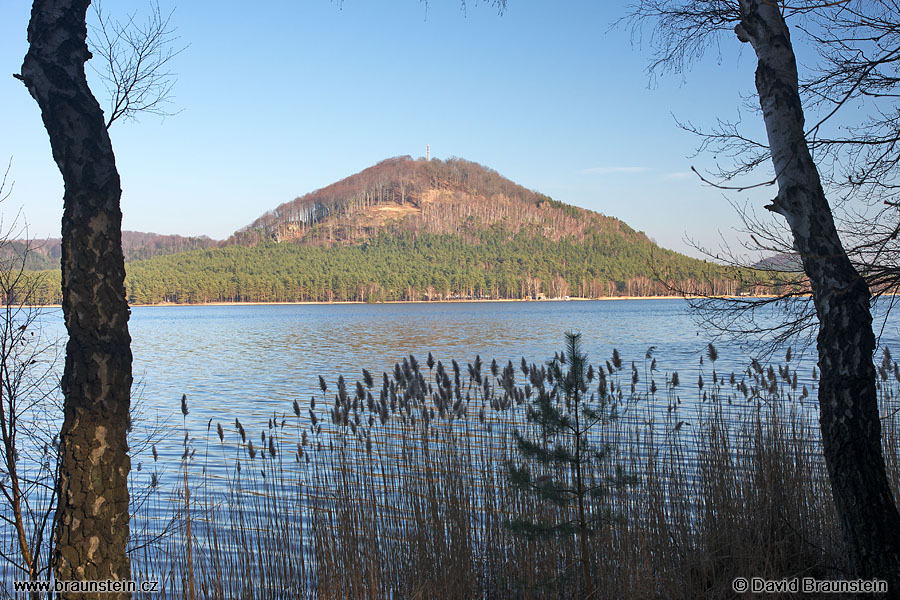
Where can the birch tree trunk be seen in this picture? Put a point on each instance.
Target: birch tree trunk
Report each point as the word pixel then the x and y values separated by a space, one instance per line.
pixel 92 515
pixel 851 430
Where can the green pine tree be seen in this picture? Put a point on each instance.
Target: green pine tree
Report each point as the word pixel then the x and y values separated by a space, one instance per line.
pixel 564 466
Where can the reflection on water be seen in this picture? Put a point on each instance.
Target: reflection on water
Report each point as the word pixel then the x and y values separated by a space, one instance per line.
pixel 250 359
pixel 253 361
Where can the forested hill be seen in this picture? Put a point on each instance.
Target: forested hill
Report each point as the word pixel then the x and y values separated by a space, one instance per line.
pixel 454 196
pixel 45 254
pixel 409 229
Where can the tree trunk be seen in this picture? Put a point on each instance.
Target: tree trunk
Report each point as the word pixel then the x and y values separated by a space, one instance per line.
pixel 92 514
pixel 848 408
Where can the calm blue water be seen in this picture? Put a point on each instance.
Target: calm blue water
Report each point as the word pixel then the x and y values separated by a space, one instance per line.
pixel 252 361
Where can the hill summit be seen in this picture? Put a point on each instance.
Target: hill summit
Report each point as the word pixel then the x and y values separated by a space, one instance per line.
pixel 401 194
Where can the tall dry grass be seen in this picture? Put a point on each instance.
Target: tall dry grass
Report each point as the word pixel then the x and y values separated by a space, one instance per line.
pixel 397 488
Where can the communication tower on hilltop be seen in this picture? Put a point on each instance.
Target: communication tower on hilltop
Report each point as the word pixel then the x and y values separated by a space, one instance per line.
pixel 427 151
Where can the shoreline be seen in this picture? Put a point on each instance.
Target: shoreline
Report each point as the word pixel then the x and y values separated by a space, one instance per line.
pixel 456 301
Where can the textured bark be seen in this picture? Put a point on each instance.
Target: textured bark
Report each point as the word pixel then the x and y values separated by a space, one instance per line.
pixel 92 515
pixel 851 429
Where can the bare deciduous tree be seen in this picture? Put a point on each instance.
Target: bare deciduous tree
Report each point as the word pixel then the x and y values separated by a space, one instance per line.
pixel 850 425
pixel 852 92
pixel 92 515
pixel 28 410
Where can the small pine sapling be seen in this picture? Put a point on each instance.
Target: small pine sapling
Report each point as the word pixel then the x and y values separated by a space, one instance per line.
pixel 564 465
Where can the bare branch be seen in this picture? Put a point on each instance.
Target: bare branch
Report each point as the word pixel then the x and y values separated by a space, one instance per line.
pixel 682 32
pixel 5 191
pixel 134 62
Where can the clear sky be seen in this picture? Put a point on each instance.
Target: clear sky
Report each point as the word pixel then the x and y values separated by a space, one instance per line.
pixel 285 97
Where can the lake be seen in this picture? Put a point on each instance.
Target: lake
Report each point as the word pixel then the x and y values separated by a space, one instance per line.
pixel 252 361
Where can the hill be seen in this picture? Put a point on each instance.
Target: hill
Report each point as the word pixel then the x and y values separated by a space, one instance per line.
pixel 409 229
pixel 45 254
pixel 785 262
pixel 400 194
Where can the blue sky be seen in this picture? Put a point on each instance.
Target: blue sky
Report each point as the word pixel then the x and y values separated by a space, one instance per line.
pixel 288 97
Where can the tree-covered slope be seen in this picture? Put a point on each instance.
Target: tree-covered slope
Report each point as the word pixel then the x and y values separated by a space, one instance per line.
pixel 418 267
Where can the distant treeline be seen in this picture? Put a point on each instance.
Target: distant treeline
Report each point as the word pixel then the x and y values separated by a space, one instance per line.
pixel 41 255
pixel 423 267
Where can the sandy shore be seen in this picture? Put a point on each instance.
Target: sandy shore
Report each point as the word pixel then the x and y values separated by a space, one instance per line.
pixel 570 299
